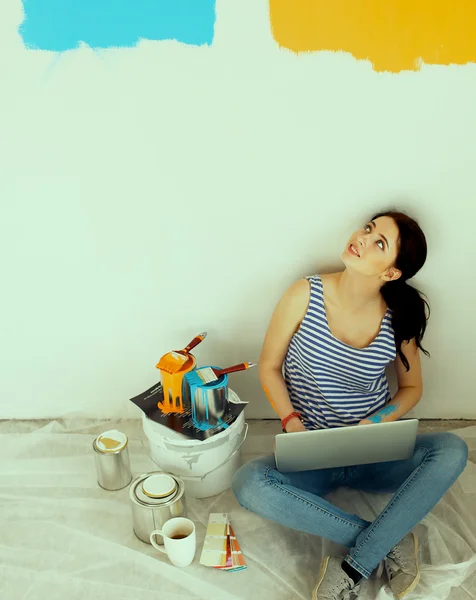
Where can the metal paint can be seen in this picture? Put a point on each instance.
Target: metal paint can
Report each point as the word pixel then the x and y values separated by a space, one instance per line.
pixel 209 401
pixel 156 497
pixel 173 386
pixel 111 455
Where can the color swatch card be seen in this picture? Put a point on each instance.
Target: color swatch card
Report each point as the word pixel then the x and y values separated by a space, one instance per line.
pixel 220 547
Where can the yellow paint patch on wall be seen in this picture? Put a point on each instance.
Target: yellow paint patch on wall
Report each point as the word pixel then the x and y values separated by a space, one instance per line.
pixel 395 35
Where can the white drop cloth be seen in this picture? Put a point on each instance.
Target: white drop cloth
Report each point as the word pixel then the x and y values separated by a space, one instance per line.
pixel 62 536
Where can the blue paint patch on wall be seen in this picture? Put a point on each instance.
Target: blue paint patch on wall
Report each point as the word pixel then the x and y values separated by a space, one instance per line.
pixel 60 25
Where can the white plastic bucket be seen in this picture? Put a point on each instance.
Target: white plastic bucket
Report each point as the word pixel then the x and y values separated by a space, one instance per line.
pixel 206 466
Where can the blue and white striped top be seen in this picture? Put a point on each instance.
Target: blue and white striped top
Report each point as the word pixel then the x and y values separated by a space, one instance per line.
pixel 329 382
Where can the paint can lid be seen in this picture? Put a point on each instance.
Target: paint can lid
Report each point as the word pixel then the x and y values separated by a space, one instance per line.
pixel 159 486
pixel 111 441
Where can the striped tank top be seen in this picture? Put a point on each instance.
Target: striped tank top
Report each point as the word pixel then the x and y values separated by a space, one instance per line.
pixel 329 382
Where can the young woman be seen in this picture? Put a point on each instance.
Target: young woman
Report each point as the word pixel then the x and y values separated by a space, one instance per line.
pixel 335 334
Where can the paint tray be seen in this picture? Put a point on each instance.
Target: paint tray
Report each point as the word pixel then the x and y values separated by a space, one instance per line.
pixel 183 422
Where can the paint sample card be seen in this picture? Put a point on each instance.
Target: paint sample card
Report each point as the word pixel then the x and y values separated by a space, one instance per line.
pixel 220 547
pixel 395 35
pixel 59 25
pixel 238 560
pixel 216 529
pixel 212 544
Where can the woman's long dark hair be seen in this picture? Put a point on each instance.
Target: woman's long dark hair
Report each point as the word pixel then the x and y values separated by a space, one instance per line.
pixel 406 302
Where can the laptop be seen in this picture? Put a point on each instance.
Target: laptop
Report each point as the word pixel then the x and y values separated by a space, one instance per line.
pixel 345 446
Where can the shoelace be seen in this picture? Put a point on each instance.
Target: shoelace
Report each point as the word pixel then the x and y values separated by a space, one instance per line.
pixel 350 588
pixel 392 567
pixel 404 560
pixel 396 561
pixel 346 595
pixel 396 552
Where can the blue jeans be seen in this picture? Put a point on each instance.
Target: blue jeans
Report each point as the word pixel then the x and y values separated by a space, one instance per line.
pixel 296 500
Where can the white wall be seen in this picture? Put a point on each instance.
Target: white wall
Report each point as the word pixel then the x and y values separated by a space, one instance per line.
pixel 152 193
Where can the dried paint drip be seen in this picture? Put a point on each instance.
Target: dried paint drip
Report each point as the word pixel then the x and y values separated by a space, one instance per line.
pixel 208 401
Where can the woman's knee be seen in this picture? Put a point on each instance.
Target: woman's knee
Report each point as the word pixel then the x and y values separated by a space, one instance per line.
pixel 248 479
pixel 458 448
pixel 453 449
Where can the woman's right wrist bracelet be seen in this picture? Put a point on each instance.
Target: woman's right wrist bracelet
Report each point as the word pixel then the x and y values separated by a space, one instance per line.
pixel 284 421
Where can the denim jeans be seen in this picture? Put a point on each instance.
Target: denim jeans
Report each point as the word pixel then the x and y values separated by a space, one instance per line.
pixel 296 500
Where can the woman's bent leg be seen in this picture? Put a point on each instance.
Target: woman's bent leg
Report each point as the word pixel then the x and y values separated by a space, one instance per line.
pixel 295 499
pixel 419 484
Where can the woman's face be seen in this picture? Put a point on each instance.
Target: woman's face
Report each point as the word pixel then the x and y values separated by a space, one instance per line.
pixel 373 249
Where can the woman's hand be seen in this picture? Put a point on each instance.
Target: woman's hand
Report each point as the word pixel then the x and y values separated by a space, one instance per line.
pixel 294 425
pixel 365 422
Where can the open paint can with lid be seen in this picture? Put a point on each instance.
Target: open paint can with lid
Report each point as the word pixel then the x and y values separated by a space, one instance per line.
pixel 156 497
pixel 111 454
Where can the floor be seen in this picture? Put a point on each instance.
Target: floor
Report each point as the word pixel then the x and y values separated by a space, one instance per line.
pixel 64 536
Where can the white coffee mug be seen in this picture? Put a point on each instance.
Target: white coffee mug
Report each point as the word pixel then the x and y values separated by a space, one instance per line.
pixel 179 541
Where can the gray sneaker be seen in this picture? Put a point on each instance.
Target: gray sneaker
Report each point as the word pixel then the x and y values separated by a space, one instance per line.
pixel 333 582
pixel 402 565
